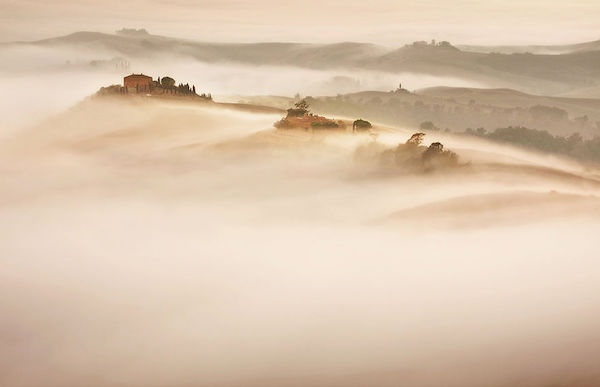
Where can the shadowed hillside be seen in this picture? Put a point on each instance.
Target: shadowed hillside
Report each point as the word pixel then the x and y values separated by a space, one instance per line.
pixel 542 74
pixel 458 109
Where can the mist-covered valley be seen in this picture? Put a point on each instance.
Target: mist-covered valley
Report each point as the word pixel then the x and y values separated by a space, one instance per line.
pixel 200 240
pixel 297 214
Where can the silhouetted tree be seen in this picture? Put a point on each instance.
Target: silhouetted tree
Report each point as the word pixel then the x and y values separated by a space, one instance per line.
pixel 167 82
pixel 361 124
pixel 416 139
pixel 301 105
pixel 300 109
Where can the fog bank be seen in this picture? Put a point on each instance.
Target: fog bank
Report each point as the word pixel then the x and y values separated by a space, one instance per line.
pixel 176 244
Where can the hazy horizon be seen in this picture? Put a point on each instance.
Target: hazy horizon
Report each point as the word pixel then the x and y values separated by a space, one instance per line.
pixel 386 22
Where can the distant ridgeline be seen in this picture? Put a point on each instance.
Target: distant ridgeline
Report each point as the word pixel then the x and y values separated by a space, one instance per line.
pixel 574 145
pixel 132 32
pixel 145 85
pixel 454 109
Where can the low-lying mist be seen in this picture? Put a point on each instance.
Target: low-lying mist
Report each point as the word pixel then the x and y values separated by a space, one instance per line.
pixel 176 244
pixel 46 80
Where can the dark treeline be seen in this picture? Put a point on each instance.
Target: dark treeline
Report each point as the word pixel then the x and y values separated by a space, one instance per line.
pixel 574 146
pixel 168 84
pixel 409 109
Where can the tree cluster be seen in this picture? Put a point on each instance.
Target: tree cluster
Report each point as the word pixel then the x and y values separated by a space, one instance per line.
pixel 410 110
pixel 574 146
pixel 410 156
pixel 324 124
pixel 300 109
pixel 169 84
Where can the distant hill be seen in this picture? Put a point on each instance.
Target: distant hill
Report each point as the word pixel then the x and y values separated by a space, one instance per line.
pixel 457 109
pixel 535 49
pixel 556 74
pixel 513 98
pixel 143 44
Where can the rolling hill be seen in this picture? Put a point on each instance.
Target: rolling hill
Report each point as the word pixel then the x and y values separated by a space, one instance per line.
pixel 458 108
pixel 556 74
pixel 536 49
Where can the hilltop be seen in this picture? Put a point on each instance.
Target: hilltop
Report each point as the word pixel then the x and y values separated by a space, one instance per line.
pixel 143 85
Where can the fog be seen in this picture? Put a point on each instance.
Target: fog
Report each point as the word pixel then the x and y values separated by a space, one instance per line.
pixel 150 241
pixel 384 21
pixel 174 244
pixel 42 81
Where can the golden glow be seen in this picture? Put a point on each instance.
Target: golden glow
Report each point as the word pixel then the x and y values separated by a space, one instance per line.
pixel 390 22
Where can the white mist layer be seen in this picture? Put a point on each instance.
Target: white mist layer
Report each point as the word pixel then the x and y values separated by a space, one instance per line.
pixel 42 81
pixel 166 244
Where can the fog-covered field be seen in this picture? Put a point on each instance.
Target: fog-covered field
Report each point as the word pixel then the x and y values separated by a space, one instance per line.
pixel 153 243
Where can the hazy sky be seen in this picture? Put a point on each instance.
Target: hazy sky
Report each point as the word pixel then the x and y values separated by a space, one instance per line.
pixel 382 21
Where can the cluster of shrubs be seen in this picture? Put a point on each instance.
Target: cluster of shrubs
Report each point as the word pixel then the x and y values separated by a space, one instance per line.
pixel 410 156
pixel 361 125
pixel 300 109
pixel 300 117
pixel 324 124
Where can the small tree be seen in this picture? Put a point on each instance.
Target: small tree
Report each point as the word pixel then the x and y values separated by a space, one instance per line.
pixel 300 109
pixel 167 82
pixel 361 124
pixel 301 105
pixel 416 139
